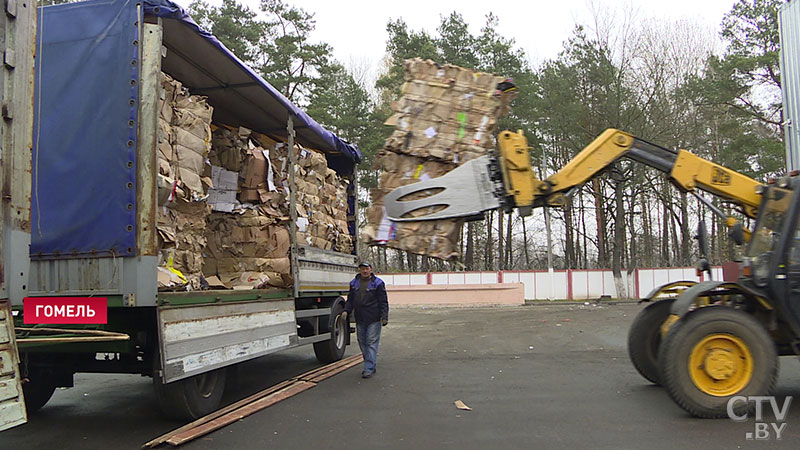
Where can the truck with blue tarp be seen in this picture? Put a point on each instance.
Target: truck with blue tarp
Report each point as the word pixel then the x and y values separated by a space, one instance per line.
pixel 103 187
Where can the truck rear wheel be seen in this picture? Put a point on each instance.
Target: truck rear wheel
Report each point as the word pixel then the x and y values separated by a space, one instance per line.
pixel 192 397
pixel 644 338
pixel 38 391
pixel 333 349
pixel 714 354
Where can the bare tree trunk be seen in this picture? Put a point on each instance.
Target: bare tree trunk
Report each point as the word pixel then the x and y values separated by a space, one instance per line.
pixel 600 216
pixel 426 267
pixel 500 254
pixel 675 257
pixel 582 217
pixel 469 254
pixel 509 243
pixel 619 240
pixel 569 257
pixel 647 232
pixel 412 262
pixel 666 220
pixel 489 247
pixel 685 236
pixel 633 261
pixel 402 260
pixel 525 244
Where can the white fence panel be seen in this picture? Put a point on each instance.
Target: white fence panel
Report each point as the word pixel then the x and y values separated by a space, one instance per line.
pixel 596 284
pixel 472 278
pixel 529 280
pixel 510 277
pixel 677 275
pixel 609 288
pixel 402 279
pixel 440 278
pixel 580 285
pixel 488 277
pixel 456 278
pixel 419 278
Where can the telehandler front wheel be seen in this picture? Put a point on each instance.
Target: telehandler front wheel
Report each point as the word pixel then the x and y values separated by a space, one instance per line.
pixel 713 354
pixel 644 338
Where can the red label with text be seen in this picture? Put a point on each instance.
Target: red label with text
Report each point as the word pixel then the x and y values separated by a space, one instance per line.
pixel 61 310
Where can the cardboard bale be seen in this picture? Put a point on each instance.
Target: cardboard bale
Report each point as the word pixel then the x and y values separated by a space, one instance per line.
pixel 229 148
pixel 254 176
pixel 251 243
pixel 182 144
pixel 321 198
pixel 181 230
pixel 445 117
pixel 184 136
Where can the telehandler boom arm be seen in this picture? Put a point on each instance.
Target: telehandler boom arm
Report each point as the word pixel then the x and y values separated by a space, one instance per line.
pixel 506 179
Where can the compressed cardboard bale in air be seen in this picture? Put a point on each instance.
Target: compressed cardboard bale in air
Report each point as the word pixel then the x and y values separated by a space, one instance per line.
pixel 445 117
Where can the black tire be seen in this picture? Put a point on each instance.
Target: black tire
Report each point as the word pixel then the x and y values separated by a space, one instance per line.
pixel 332 350
pixel 38 391
pixel 192 397
pixel 721 336
pixel 644 338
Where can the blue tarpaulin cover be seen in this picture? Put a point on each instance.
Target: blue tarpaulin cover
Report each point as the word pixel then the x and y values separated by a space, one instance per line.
pixel 84 155
pixel 84 166
pixel 239 95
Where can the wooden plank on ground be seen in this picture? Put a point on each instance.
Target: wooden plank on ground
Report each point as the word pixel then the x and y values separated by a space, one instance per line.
pixel 294 388
pixel 337 369
pixel 253 403
pixel 207 418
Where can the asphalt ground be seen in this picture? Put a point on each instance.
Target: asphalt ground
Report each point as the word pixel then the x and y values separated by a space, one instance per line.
pixel 545 376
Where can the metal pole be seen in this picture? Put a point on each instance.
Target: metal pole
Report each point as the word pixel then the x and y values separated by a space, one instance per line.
pixel 293 207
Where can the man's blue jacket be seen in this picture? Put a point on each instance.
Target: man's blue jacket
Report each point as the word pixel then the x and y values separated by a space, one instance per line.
pixel 375 304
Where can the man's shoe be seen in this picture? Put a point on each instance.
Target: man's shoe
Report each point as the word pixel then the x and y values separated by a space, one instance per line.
pixel 366 374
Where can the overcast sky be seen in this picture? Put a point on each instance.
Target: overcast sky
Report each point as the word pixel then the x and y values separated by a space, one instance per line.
pixel 356 29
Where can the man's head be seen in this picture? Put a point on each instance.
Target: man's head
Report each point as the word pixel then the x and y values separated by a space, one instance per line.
pixel 365 269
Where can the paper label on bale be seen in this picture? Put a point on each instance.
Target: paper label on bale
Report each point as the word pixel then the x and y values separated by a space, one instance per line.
pixel 270 178
pixel 224 179
pixel 221 200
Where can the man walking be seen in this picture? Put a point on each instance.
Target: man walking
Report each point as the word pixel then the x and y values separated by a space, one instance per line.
pixel 368 297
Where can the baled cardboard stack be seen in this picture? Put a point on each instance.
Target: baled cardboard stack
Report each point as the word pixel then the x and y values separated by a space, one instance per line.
pixel 223 216
pixel 446 117
pixel 184 138
pixel 248 241
pixel 247 250
pixel 321 199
